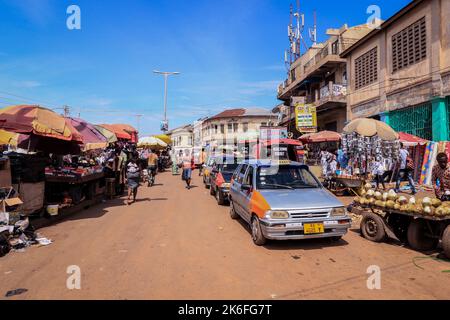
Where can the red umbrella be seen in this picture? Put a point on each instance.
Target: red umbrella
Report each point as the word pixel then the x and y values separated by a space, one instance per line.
pixel 411 140
pixel 323 136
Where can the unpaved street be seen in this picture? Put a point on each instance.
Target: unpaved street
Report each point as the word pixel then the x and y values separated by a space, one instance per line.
pixel 178 244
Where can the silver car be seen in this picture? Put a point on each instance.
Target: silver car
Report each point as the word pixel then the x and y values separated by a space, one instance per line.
pixel 283 200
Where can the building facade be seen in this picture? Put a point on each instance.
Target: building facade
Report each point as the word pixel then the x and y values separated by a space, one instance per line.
pixel 182 138
pixel 198 133
pixel 400 73
pixel 235 125
pixel 319 77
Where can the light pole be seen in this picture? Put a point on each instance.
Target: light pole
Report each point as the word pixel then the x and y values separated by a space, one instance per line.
pixel 166 77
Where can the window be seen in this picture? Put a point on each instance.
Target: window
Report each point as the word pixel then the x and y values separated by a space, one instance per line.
pixel 242 173
pixel 285 177
pixel 409 46
pixel 230 128
pixel 235 127
pixel 366 68
pixel 335 47
pixel 249 177
pixel 245 127
pixel 222 128
pixel 216 128
pixel 293 75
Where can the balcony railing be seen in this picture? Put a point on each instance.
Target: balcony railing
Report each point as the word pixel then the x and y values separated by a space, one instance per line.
pixel 337 90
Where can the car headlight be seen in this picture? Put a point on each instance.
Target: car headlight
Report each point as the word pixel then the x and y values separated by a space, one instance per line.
pixel 338 212
pixel 277 215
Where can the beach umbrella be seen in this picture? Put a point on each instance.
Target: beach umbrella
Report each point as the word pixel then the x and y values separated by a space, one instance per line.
pixel 370 127
pixel 322 136
pixel 108 134
pixel 151 142
pixel 165 138
pixel 92 138
pixel 36 120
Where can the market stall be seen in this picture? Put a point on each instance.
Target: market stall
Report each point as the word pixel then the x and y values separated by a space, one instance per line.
pixel 317 142
pixel 421 223
pixel 363 142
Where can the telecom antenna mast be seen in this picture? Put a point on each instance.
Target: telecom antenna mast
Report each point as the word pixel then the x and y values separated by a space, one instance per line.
pixel 295 30
pixel 313 31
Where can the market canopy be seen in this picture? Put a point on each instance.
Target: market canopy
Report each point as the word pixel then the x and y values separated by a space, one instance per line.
pixel 411 140
pixel 9 138
pixel 123 131
pixel 92 138
pixel 151 142
pixel 119 133
pixel 322 136
pixel 32 119
pixel 108 134
pixel 370 127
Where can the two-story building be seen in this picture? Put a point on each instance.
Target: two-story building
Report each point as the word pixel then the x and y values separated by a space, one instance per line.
pixel 400 73
pixel 234 125
pixel 319 77
pixel 182 138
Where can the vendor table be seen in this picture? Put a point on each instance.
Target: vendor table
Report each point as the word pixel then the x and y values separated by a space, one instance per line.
pixel 73 179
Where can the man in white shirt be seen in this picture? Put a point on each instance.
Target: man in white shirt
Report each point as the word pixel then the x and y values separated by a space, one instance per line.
pixel 404 172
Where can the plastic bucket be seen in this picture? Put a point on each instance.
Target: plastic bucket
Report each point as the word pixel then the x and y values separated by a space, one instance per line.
pixel 53 210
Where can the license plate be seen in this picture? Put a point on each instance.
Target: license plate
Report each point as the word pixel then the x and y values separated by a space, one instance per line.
pixel 313 228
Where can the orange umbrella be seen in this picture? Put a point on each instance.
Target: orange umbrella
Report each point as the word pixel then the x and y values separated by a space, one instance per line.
pixel 32 119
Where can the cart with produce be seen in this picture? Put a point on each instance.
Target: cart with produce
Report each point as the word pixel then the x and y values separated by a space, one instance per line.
pixel 339 185
pixel 421 223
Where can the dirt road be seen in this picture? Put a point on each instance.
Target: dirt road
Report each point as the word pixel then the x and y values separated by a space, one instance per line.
pixel 178 244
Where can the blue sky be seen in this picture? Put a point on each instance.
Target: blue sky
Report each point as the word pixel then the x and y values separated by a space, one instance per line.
pixel 230 54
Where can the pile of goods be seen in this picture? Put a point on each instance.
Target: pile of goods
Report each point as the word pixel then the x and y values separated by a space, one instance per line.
pixel 71 172
pixel 390 201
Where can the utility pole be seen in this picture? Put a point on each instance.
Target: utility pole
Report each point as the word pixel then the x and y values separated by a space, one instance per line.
pixel 66 111
pixel 166 77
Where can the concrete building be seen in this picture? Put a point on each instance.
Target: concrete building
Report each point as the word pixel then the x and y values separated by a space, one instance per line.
pixel 198 132
pixel 400 73
pixel 182 138
pixel 319 77
pixel 235 125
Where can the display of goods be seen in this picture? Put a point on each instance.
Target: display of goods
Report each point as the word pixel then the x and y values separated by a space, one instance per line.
pixel 378 195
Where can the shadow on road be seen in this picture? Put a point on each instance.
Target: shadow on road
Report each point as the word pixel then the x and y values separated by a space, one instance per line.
pixel 306 244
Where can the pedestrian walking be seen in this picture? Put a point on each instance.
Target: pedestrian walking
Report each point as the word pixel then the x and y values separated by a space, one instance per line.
pixel 187 165
pixel 405 170
pixel 202 161
pixel 133 179
pixel 378 172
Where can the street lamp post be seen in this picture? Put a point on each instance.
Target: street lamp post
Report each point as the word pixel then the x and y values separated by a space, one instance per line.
pixel 166 77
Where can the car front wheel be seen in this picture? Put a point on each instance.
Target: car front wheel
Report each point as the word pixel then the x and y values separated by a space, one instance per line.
pixel 257 235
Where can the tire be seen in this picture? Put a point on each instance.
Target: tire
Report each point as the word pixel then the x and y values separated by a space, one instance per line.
pixel 233 213
pixel 220 198
pixel 446 242
pixel 417 238
pixel 372 227
pixel 257 235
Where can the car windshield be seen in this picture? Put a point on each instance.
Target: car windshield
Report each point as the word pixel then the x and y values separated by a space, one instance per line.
pixel 285 177
pixel 228 167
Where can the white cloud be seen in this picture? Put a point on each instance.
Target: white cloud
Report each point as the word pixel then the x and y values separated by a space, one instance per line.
pixel 27 84
pixel 259 88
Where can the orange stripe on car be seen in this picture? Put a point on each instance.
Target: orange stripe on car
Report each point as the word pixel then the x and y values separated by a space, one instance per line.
pixel 258 204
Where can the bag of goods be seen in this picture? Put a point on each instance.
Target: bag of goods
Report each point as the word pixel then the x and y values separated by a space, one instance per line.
pixel 392 195
pixel 428 210
pixel 368 186
pixel 370 193
pixel 412 200
pixel 378 195
pixel 426 202
pixel 385 196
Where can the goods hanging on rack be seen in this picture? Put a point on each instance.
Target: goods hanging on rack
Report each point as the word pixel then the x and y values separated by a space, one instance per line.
pixel 365 140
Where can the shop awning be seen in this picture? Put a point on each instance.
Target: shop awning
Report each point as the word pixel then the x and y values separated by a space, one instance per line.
pixel 108 134
pixel 120 134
